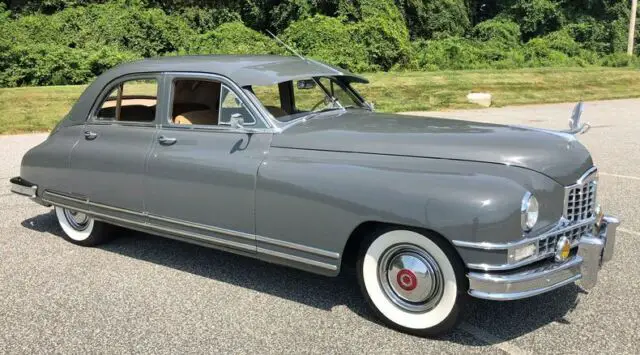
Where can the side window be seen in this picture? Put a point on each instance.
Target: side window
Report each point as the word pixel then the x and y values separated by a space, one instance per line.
pixel 230 105
pixel 206 102
pixel 130 101
pixel 270 97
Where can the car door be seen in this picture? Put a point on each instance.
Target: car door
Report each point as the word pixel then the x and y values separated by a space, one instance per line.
pixel 108 161
pixel 201 174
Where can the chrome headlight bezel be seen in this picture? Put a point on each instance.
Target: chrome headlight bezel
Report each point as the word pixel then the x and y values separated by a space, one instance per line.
pixel 529 211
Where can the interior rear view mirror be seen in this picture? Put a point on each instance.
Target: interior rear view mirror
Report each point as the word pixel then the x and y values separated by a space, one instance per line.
pixel 306 84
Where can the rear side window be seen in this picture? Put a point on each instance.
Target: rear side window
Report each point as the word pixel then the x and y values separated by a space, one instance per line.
pixel 130 101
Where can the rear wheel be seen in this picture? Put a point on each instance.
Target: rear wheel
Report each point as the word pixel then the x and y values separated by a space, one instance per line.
pixel 81 229
pixel 414 282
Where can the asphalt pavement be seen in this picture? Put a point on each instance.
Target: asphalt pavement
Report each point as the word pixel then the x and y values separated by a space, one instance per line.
pixel 142 293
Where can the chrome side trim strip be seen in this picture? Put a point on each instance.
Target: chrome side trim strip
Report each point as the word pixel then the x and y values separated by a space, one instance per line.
pixel 201 237
pixel 116 209
pixel 64 197
pixel 505 246
pixel 197 236
pixel 298 259
pixel 303 248
pixel 204 227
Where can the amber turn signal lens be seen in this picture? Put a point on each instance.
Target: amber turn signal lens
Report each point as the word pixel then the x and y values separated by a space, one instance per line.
pixel 563 249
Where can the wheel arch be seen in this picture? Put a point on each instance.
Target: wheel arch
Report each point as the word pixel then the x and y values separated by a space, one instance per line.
pixel 366 228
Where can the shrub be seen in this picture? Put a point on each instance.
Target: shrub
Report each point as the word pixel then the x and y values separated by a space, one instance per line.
pixel 44 64
pixel 286 12
pixel 435 18
pixel 203 20
pixel 561 41
pixel 148 32
pixel 386 42
pixel 501 31
pixel 449 53
pixel 537 17
pixel 619 60
pixel 330 40
pixel 591 34
pixel 233 38
pixel 538 53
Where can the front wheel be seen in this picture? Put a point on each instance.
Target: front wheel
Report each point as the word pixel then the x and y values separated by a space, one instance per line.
pixel 81 229
pixel 414 282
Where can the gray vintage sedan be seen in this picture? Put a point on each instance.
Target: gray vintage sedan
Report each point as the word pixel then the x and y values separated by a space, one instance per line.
pixel 281 159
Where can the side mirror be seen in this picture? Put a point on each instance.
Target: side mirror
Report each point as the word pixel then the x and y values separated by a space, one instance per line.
pixel 236 121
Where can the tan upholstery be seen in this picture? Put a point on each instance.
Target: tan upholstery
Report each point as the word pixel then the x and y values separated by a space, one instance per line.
pixel 131 102
pixel 196 102
pixel 204 117
pixel 276 111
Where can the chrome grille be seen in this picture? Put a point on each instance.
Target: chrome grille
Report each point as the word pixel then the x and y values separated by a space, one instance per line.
pixel 580 199
pixel 548 245
pixel 579 212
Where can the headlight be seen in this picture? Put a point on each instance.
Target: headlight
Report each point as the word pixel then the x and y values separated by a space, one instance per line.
pixel 529 212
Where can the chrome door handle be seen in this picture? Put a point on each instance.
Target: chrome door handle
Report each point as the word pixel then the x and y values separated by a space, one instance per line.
pixel 166 140
pixel 89 135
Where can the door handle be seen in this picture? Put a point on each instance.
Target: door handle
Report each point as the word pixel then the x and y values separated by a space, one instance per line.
pixel 166 140
pixel 89 135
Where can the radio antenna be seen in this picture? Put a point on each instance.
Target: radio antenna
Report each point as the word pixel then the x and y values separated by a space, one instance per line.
pixel 286 46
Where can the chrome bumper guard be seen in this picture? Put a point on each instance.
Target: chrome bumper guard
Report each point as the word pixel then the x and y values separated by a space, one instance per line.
pixel 23 187
pixel 528 281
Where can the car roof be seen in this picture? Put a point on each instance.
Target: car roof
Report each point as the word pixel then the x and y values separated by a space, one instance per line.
pixel 242 69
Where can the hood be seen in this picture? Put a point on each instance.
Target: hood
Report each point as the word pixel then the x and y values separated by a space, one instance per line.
pixel 557 155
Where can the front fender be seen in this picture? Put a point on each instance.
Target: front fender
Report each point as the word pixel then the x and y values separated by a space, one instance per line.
pixel 317 198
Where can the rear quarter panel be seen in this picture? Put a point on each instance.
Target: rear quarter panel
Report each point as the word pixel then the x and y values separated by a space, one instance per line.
pixel 47 164
pixel 318 198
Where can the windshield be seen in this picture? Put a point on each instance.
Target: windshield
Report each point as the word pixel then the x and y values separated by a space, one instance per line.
pixel 290 100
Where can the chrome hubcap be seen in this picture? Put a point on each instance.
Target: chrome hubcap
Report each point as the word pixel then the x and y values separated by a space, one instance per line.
pixel 78 220
pixel 410 278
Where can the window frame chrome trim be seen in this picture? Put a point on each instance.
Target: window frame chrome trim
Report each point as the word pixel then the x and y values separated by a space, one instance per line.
pixel 254 109
pixel 106 89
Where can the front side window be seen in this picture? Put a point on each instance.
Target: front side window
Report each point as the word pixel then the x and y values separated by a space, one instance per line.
pixel 206 103
pixel 232 106
pixel 293 99
pixel 130 101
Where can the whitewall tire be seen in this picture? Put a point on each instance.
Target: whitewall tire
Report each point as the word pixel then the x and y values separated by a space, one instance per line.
pixel 82 229
pixel 414 281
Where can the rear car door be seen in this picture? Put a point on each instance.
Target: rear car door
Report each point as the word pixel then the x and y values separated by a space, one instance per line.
pixel 201 173
pixel 108 161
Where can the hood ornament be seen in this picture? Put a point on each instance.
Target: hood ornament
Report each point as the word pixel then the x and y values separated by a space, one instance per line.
pixel 575 127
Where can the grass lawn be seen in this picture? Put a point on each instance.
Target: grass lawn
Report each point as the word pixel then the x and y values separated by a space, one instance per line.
pixel 33 109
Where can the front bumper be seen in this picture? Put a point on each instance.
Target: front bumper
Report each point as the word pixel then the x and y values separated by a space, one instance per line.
pixel 544 276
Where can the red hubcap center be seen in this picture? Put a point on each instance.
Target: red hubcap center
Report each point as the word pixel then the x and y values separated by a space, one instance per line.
pixel 407 280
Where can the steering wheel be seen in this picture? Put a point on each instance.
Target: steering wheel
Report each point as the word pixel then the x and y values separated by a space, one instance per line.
pixel 323 101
